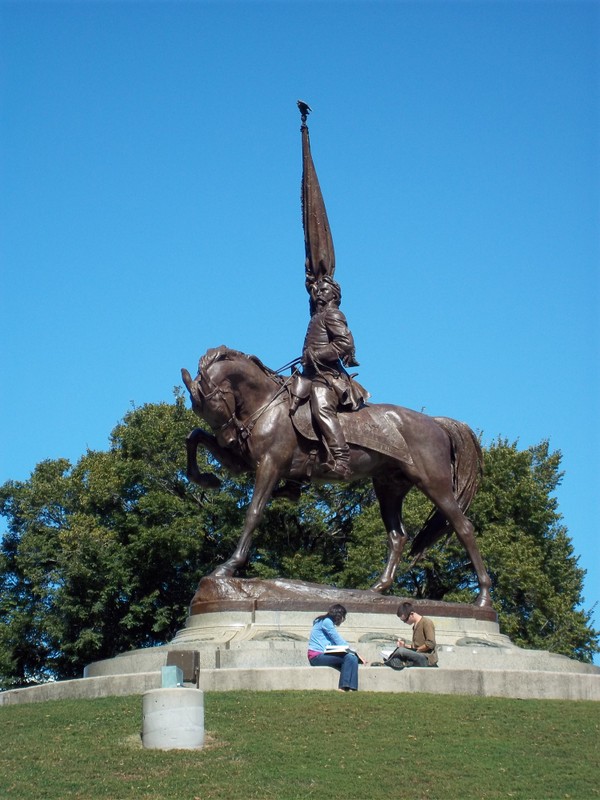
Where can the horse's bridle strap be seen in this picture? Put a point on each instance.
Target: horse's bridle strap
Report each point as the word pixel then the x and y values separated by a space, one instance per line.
pixel 244 429
pixel 232 417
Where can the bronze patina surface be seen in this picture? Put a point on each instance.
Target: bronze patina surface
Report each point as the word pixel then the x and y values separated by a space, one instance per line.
pixel 281 594
pixel 247 407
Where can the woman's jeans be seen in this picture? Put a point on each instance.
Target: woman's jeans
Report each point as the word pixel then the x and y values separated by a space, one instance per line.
pixel 347 666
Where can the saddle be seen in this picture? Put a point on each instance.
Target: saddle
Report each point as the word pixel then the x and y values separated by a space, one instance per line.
pixel 369 427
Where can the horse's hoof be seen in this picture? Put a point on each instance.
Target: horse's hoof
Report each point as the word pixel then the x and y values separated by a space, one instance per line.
pixel 222 572
pixel 483 601
pixel 204 479
pixel 378 587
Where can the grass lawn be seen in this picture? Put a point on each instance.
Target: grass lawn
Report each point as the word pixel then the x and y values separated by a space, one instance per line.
pixel 292 745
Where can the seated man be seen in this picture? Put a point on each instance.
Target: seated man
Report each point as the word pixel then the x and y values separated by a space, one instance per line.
pixel 421 653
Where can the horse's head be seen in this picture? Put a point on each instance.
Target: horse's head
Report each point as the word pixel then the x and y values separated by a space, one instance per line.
pixel 193 387
pixel 230 384
pixel 213 400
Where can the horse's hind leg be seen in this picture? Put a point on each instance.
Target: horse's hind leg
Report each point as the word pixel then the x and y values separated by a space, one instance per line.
pixel 390 495
pixel 463 527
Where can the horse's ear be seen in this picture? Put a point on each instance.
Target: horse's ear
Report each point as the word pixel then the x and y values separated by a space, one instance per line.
pixel 187 379
pixel 193 387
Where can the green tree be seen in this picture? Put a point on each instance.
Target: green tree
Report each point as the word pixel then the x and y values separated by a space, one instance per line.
pixel 538 584
pixel 308 541
pixel 105 556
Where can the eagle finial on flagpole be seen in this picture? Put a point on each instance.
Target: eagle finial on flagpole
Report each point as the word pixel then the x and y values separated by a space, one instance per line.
pixel 305 110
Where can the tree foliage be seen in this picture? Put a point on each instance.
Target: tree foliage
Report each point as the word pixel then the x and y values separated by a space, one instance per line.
pixel 104 556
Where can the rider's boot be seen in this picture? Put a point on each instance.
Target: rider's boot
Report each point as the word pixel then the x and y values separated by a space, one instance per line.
pixel 323 403
pixel 341 461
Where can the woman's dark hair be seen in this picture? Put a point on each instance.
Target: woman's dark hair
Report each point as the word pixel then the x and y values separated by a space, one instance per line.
pixel 335 612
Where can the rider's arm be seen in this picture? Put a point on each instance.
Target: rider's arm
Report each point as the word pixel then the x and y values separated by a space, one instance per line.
pixel 429 635
pixel 341 338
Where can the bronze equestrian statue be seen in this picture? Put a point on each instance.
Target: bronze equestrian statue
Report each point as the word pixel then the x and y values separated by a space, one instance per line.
pixel 247 407
pixel 317 426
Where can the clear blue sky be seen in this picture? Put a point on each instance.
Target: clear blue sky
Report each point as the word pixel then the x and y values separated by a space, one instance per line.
pixel 150 171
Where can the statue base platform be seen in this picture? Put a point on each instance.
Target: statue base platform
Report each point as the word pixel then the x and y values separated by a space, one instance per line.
pixel 253 635
pixel 259 643
pixel 216 594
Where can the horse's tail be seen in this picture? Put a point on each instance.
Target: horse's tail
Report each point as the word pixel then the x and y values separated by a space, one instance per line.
pixel 467 470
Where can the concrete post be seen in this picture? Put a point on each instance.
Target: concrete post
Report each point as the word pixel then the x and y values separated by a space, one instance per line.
pixel 173 719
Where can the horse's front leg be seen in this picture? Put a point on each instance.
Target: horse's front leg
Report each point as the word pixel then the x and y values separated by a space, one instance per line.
pixel 267 477
pixel 390 499
pixel 199 437
pixel 205 479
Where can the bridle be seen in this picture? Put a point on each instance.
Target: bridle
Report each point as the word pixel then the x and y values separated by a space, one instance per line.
pixel 243 430
pixel 214 389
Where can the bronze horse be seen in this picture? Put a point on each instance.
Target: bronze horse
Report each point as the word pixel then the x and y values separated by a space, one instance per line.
pixel 247 406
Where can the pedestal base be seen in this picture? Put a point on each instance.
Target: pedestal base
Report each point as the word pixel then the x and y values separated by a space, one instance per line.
pixel 273 639
pixel 281 594
pixel 261 648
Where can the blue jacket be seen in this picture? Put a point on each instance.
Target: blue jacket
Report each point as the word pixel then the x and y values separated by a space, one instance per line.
pixel 324 633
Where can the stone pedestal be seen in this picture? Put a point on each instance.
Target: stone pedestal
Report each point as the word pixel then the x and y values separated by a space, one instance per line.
pixel 254 635
pixel 263 638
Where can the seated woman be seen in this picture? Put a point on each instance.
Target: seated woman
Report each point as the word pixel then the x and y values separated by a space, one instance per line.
pixel 324 634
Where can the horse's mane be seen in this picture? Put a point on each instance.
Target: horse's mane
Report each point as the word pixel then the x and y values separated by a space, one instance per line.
pixel 223 353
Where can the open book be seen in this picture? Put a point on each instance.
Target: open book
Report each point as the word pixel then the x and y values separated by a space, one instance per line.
pixel 340 650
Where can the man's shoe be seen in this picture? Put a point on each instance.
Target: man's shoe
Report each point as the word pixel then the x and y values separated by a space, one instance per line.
pixel 341 462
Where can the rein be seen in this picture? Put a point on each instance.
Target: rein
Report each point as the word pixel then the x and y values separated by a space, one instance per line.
pixel 244 430
pixel 232 417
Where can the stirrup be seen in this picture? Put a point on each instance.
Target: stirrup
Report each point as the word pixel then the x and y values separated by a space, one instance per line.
pixel 340 468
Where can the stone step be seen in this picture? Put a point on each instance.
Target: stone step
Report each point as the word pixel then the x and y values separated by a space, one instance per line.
pixel 530 684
